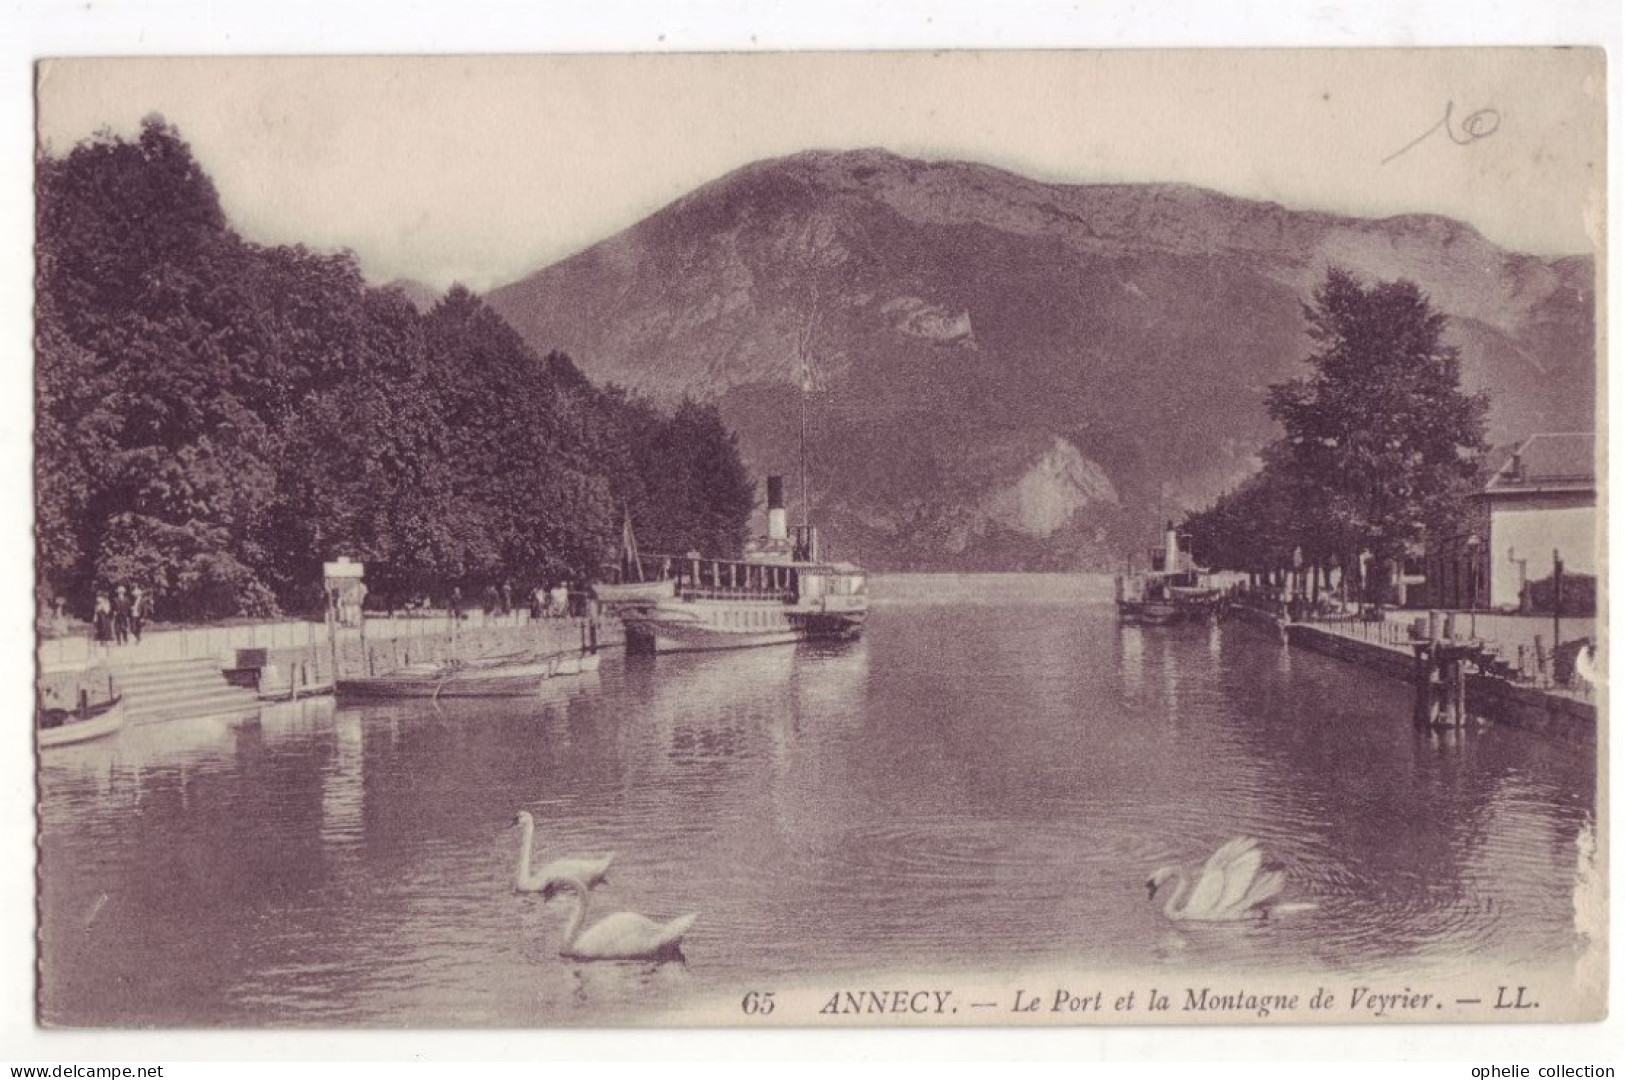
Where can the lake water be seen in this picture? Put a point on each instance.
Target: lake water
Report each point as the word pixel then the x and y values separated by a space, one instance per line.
pixel 974 785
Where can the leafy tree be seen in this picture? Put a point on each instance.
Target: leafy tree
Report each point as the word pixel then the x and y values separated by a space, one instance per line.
pixel 215 418
pixel 1380 444
pixel 694 493
pixel 1380 426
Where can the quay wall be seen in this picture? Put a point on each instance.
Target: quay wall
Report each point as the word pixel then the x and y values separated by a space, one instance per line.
pixel 305 651
pixel 1383 658
pixel 1500 700
pixel 222 642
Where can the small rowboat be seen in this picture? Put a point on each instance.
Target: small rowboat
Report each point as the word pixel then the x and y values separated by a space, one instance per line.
pixel 449 680
pixel 63 727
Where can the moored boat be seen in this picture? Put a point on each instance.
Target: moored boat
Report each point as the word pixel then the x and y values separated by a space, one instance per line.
pixel 96 709
pixel 781 592
pixel 62 727
pixel 1175 590
pixel 450 680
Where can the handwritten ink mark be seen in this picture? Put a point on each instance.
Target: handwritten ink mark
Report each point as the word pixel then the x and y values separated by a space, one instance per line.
pixel 1475 126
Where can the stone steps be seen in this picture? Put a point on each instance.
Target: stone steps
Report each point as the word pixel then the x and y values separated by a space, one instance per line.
pixel 178 689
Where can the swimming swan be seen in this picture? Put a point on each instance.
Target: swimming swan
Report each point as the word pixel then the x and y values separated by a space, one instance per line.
pixel 621 936
pixel 1230 888
pixel 590 871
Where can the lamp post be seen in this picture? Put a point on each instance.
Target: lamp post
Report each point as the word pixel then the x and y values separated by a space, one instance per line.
pixel 1557 599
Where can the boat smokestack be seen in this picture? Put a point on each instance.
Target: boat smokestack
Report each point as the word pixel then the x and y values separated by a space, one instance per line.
pixel 1171 550
pixel 778 524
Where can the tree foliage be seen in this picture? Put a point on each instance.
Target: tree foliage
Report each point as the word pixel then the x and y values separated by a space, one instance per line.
pixel 215 419
pixel 1380 445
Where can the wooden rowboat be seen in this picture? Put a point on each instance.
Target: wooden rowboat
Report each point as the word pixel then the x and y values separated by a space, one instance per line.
pixel 449 680
pixel 63 727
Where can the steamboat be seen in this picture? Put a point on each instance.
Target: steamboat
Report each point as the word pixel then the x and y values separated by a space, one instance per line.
pixel 1176 589
pixel 781 592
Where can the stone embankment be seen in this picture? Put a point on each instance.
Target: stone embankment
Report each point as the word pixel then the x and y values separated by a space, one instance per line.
pixel 222 670
pixel 1386 646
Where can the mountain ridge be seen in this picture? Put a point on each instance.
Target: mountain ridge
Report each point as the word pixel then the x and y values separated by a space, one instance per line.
pixel 1137 324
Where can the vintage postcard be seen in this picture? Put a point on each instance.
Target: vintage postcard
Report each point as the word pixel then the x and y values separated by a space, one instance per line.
pixel 821 540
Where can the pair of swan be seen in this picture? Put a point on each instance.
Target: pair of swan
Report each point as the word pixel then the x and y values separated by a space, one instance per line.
pixel 624 935
pixel 1234 885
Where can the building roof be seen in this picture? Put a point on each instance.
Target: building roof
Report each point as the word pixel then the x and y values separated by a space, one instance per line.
pixel 1547 463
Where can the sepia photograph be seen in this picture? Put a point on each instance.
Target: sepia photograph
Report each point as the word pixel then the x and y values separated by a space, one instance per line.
pixel 975 538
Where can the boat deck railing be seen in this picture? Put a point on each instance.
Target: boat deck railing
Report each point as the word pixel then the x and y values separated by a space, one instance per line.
pixel 742 593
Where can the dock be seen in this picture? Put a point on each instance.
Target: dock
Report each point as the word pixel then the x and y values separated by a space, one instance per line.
pixel 1457 675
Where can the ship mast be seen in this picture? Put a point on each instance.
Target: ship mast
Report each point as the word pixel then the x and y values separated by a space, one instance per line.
pixel 806 509
pixel 804 352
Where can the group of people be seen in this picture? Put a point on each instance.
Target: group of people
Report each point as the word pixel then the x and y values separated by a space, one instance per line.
pixel 545 601
pixel 120 616
pixel 550 602
pixel 498 601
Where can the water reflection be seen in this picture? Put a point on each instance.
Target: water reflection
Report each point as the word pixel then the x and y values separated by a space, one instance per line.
pixel 342 789
pixel 1420 841
pixel 999 775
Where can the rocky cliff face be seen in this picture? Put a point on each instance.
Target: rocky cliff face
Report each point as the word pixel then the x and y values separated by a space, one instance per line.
pixel 1006 373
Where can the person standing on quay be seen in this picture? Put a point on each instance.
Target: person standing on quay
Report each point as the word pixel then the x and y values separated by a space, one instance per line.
pixel 138 611
pixel 121 615
pixel 102 619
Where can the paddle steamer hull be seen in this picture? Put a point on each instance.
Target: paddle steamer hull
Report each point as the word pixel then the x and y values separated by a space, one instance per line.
pixel 703 625
pixel 780 593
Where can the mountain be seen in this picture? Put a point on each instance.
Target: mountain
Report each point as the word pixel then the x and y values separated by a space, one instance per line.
pixel 1008 373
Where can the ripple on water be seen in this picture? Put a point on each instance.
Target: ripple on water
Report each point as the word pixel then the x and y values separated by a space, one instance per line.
pixel 971 786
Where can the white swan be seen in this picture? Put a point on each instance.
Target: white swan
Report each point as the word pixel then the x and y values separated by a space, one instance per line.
pixel 621 936
pixel 591 871
pixel 1230 887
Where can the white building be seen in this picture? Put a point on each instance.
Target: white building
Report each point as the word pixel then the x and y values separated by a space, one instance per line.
pixel 1541 500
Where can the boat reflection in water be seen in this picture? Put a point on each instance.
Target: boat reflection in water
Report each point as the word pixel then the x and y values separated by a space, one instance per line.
pixel 745 704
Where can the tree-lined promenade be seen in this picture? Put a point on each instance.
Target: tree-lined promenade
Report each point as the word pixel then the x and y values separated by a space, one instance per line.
pixel 1379 450
pixel 216 418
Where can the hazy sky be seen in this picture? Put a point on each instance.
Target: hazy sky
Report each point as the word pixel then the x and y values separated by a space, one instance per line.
pixel 480 169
